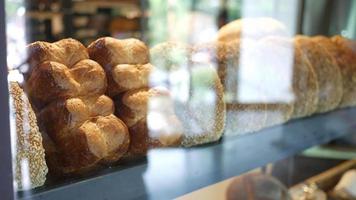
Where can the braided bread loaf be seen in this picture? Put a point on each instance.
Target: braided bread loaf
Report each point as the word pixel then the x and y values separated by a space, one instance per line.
pixel 128 71
pixel 124 61
pixel 67 90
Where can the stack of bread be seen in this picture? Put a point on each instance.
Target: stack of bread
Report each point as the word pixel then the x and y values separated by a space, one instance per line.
pixel 67 91
pixel 178 95
pixel 126 63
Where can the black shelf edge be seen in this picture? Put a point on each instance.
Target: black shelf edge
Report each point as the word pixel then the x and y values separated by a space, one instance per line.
pixel 169 173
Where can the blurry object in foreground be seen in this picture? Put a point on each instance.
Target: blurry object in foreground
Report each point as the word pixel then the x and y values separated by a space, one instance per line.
pixel 253 28
pixel 256 186
pixel 337 182
pixel 346 188
pixel 29 158
pixel 309 192
pixel 196 90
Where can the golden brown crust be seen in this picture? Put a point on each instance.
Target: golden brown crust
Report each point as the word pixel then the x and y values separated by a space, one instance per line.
pixel 327 72
pixel 52 80
pixel 305 86
pixel 67 89
pixel 130 77
pixel 66 51
pixel 119 57
pixel 108 52
pixel 85 132
pixel 341 50
pixel 71 113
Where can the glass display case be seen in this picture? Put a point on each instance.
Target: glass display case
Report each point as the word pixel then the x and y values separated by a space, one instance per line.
pixel 156 99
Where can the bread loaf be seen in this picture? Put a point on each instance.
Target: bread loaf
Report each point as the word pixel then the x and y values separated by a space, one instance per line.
pixel 136 109
pixel 67 52
pixel 200 106
pixel 125 63
pixel 252 28
pixel 29 162
pixel 52 80
pixel 341 50
pixel 67 89
pixel 265 78
pixel 241 117
pixel 301 75
pixel 128 71
pixel 327 72
pixel 84 132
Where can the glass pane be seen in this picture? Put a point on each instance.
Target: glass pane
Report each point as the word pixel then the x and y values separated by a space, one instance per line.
pixel 156 99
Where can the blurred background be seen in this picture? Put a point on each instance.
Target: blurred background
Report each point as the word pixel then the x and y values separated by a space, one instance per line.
pixel 154 21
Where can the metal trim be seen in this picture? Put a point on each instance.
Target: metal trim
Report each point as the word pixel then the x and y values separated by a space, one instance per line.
pixel 6 180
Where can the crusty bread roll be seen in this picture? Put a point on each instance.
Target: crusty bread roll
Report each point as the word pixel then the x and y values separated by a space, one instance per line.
pixel 125 63
pixel 85 132
pixel 67 90
pixel 134 108
pixel 28 145
pixel 200 107
pixel 52 80
pixel 253 28
pixel 341 49
pixel 67 52
pixel 327 72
